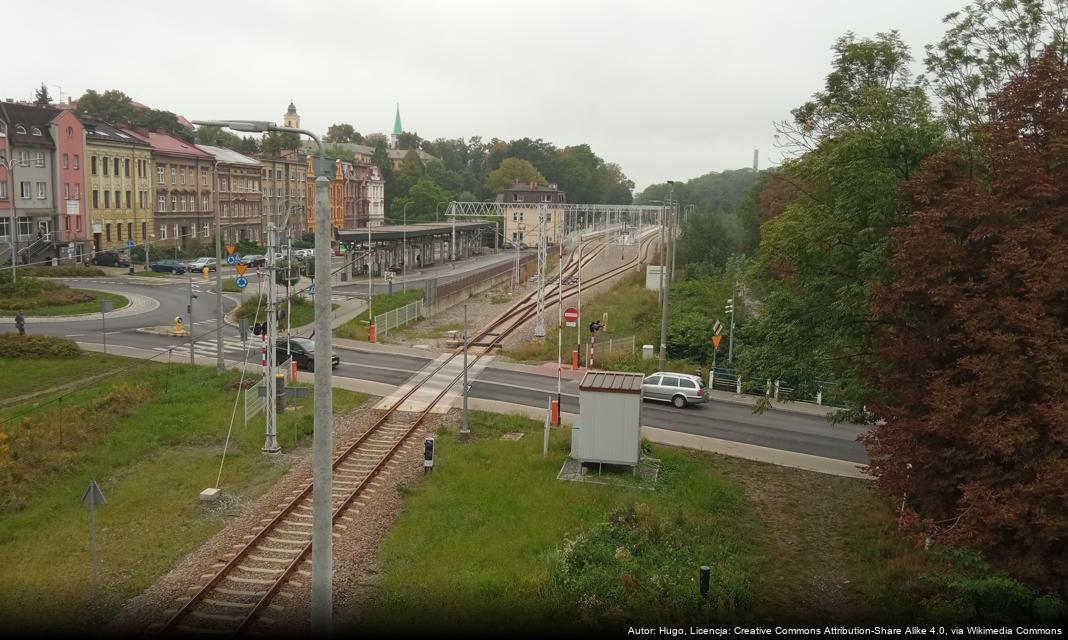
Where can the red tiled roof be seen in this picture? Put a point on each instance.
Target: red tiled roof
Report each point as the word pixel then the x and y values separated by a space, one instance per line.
pixel 165 143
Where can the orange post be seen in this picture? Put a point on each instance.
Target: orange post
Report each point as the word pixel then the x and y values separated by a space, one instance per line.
pixel 292 370
pixel 371 334
pixel 574 359
pixel 555 415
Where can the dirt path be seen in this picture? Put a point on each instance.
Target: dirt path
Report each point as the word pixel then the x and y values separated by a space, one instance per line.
pixel 805 517
pixel 76 384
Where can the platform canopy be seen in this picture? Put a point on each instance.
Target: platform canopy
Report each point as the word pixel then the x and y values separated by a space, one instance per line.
pixel 410 231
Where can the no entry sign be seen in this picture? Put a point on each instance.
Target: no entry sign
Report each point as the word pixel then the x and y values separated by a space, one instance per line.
pixel 571 317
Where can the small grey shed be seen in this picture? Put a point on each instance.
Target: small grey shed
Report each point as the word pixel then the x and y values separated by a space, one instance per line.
pixel 610 418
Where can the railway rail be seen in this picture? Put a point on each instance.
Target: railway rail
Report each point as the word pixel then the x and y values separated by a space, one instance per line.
pixel 241 594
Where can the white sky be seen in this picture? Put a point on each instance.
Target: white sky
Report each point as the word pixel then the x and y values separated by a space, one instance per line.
pixel 669 89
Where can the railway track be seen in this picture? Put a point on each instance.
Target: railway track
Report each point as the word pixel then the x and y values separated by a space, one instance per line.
pixel 245 591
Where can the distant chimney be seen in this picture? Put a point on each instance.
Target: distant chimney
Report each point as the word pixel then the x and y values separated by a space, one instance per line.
pixel 756 159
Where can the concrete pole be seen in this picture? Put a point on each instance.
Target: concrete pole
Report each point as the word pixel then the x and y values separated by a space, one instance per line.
pixel 664 292
pixel 270 443
pixel 452 245
pixel 466 428
pixel 674 237
pixel 192 339
pixel 663 250
pixel 220 366
pixel 322 600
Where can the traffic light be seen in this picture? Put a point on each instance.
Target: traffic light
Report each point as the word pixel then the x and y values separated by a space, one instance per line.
pixel 428 455
pixel 259 329
pixel 596 326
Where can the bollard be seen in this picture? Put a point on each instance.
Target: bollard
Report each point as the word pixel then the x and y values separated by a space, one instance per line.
pixel 705 578
pixel 574 359
pixel 556 412
pixel 371 333
pixel 292 370
pixel 280 392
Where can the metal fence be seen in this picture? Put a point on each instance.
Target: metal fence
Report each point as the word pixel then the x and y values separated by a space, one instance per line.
pixel 725 379
pixel 399 317
pixel 606 345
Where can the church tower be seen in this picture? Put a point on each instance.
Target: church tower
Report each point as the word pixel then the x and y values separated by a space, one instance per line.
pixel 397 129
pixel 291 119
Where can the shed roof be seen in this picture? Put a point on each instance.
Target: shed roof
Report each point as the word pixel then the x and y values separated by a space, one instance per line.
pixel 612 382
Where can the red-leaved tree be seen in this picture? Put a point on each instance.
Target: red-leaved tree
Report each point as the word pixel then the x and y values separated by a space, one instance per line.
pixel 975 383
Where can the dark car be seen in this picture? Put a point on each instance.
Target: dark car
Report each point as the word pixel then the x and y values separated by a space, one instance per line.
pixel 303 350
pixel 254 260
pixel 168 266
pixel 396 268
pixel 110 259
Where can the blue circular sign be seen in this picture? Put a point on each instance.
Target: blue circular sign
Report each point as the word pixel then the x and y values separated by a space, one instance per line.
pixel 231 259
pixel 241 282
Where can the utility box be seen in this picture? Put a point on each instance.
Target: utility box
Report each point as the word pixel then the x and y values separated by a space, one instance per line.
pixel 647 352
pixel 610 418
pixel 652 277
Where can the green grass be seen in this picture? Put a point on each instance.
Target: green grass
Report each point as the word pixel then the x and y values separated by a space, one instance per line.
pixel 86 306
pixel 491 541
pixel 152 438
pixel 22 375
pixel 63 271
pixel 302 311
pixel 357 328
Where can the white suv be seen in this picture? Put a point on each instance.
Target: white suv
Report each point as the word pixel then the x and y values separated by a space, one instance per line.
pixel 680 389
pixel 200 263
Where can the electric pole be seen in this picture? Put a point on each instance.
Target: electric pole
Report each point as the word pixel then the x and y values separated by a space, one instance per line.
pixel 220 366
pixel 539 325
pixel 665 280
pixel 270 443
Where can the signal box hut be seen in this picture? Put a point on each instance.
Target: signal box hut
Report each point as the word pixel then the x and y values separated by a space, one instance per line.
pixel 610 418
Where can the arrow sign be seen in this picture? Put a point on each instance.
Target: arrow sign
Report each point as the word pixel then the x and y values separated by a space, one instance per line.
pixel 93 497
pixel 715 341
pixel 717 328
pixel 571 317
pixel 241 268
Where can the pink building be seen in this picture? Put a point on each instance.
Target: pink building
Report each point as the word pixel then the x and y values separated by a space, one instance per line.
pixel 73 221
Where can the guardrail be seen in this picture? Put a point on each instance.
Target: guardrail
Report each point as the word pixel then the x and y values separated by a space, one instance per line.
pixel 399 317
pixel 726 379
pixel 461 283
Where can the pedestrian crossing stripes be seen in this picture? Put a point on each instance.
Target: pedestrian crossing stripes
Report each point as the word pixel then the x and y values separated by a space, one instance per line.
pixel 208 347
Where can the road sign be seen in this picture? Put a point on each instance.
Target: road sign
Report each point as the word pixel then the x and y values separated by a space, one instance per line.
pixel 241 282
pixel 129 244
pixel 717 328
pixel 106 306
pixel 241 268
pixel 311 289
pixel 93 496
pixel 571 317
pixel 230 248
pixel 715 341
pixel 231 259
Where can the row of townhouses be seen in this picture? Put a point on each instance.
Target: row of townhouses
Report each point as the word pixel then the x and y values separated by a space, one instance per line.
pixel 71 185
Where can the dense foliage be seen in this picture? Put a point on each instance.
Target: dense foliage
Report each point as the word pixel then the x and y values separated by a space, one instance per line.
pixel 12 345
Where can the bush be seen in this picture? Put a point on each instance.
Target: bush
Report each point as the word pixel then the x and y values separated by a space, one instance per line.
pixel 12 345
pixel 63 271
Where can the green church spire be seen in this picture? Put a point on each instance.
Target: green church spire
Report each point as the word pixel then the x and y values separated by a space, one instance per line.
pixel 397 129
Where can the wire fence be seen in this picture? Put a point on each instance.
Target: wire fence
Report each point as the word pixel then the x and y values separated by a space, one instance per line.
pixel 607 345
pixel 399 317
pixel 726 379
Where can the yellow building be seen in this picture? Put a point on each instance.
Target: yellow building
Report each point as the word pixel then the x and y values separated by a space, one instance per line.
pixel 118 182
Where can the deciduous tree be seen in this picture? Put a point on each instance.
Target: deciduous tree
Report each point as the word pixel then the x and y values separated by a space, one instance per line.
pixel 513 170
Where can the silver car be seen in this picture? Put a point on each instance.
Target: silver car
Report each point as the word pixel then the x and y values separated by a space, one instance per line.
pixel 680 389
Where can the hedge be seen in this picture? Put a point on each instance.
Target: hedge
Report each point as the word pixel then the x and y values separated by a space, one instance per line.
pixel 12 345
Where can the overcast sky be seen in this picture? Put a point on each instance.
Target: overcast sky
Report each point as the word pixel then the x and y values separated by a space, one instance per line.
pixel 667 89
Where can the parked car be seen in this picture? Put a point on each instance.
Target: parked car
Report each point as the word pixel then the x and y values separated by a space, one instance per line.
pixel 200 263
pixel 396 268
pixel 254 260
pixel 523 246
pixel 304 254
pixel 680 389
pixel 303 350
pixel 168 266
pixel 110 259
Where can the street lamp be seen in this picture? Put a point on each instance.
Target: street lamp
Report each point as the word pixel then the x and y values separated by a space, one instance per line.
pixel 404 233
pixel 664 282
pixel 322 551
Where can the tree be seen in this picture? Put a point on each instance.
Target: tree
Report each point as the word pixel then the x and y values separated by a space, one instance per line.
pixel 111 106
pixel 156 120
pixel 275 142
pixel 988 44
pixel 41 96
pixel 406 141
pixel 708 240
pixel 974 387
pixel 381 160
pixel 423 199
pixel 372 139
pixel 513 170
pixel 858 140
pixel 342 133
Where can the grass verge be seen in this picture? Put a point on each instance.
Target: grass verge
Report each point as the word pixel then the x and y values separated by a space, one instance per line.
pixel 357 328
pixel 60 302
pixel 63 271
pixel 24 375
pixel 514 548
pixel 302 311
pixel 152 438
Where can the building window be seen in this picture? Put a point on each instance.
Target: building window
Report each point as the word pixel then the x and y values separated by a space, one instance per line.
pixel 25 225
pixel 193 228
pixel 162 204
pixel 5 226
pixel 116 167
pixel 65 161
pixel 70 132
pixel 174 176
pixel 66 191
pixel 207 229
pixel 39 159
pixel 20 129
pixel 92 165
pixel 118 200
pixel 24 159
pixel 35 131
pixel 77 191
pixel 66 223
pixel 159 170
pixel 144 231
pixel 548 197
pixel 104 162
pixel 174 204
pixel 77 161
pixel 107 232
pixel 3 190
pixel 3 158
pixel 517 197
pixel 42 191
pixel 118 232
pixel 96 199
pixel 107 199
pixel 163 232
pixel 77 223
pixel 127 167
pixel 205 204
pixel 203 176
pixel 129 230
pixel 129 203
pixel 177 233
